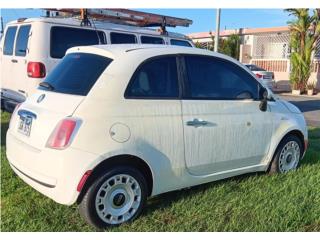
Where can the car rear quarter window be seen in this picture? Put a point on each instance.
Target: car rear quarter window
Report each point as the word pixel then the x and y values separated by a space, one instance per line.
pixel 155 79
pixel 216 78
pixel 76 73
pixel 9 40
pixel 22 40
pixel 122 38
pixel 180 43
pixel 63 38
pixel 151 40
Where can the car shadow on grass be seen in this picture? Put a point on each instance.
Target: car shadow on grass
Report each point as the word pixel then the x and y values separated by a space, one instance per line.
pixel 4 128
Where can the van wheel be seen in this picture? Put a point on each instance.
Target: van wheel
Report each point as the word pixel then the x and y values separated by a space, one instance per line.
pixel 287 156
pixel 114 198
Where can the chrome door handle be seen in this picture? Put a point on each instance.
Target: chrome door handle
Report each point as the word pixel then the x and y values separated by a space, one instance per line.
pixel 197 123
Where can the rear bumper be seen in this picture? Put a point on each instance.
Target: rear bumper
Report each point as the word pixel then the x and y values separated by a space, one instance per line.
pixel 54 173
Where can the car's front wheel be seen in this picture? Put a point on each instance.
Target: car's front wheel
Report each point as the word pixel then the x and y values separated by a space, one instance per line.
pixel 114 198
pixel 287 156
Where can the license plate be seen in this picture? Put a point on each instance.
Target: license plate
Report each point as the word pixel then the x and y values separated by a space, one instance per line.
pixel 25 124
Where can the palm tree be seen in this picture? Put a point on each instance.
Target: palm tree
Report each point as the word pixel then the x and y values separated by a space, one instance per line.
pixel 304 35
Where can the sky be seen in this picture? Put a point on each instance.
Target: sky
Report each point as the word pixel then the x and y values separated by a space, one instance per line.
pixel 203 19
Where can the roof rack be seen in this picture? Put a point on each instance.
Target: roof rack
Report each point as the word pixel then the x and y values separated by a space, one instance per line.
pixel 124 16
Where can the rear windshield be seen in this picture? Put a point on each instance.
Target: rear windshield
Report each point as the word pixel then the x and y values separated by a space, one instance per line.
pixel 63 38
pixel 180 43
pixel 76 73
pixel 9 40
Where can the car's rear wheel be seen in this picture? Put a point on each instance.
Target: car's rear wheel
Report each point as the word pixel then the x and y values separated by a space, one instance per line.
pixel 114 198
pixel 288 155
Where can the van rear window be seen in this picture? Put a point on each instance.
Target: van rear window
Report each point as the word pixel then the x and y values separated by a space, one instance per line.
pixel 9 40
pixel 75 74
pixel 22 40
pixel 63 38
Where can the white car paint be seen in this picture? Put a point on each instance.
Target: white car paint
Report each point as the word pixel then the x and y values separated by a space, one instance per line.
pixel 239 138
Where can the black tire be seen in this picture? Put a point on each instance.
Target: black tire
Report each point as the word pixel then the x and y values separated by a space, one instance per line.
pixel 275 163
pixel 87 206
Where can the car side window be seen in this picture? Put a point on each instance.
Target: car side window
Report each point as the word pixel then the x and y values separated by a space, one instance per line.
pixel 9 40
pixel 22 41
pixel 63 38
pixel 155 78
pixel 151 40
pixel 182 43
pixel 121 38
pixel 215 78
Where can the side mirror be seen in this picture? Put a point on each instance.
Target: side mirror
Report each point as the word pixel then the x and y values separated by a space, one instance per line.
pixel 264 99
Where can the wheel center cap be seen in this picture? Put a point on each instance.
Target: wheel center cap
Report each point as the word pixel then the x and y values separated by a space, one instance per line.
pixel 289 158
pixel 119 199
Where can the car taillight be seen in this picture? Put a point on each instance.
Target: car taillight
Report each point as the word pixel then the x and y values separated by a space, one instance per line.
pixel 259 75
pixel 61 136
pixel 36 70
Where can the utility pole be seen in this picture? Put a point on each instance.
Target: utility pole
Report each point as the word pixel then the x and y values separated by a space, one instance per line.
pixel 216 38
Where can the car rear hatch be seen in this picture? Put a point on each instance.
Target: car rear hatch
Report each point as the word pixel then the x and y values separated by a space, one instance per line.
pixel 57 98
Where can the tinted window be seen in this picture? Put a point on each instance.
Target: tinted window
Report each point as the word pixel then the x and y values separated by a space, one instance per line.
pixel 180 43
pixel 151 40
pixel 9 40
pixel 118 38
pixel 255 68
pixel 213 78
pixel 22 40
pixel 156 78
pixel 63 38
pixel 76 73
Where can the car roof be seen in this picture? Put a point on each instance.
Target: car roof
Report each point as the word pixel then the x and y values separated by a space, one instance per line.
pixel 115 51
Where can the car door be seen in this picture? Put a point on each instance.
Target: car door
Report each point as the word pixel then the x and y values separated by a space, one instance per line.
pixel 7 61
pixel 224 129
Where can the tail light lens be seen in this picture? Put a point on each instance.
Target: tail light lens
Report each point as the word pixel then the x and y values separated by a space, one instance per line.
pixel 259 75
pixel 61 136
pixel 36 70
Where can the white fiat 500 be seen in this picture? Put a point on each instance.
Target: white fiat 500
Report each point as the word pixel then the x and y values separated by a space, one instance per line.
pixel 113 125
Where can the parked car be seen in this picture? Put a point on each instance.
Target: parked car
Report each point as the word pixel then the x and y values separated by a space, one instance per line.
pixel 265 76
pixel 32 47
pixel 144 121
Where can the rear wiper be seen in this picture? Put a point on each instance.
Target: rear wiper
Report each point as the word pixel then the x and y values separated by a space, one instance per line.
pixel 46 85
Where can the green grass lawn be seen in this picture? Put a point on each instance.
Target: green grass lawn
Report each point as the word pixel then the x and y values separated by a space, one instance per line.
pixel 256 202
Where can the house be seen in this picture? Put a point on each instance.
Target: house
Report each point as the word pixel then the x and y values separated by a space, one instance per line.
pixel 266 47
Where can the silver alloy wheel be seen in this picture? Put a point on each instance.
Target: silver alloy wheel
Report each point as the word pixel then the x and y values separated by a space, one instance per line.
pixel 289 157
pixel 118 199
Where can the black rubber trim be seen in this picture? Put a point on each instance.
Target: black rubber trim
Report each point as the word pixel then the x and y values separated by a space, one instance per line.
pixel 33 179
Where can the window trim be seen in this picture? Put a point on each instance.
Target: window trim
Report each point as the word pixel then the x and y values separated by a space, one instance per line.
pixel 163 42
pixel 72 27
pixel 16 40
pixel 179 79
pixel 124 33
pixel 186 92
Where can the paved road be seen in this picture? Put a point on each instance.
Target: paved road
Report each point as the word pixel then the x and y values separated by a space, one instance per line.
pixel 310 106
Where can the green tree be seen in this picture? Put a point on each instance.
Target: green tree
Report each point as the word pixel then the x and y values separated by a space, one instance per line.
pixel 304 35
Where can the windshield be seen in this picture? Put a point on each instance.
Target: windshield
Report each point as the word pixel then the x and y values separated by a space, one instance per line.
pixel 76 73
